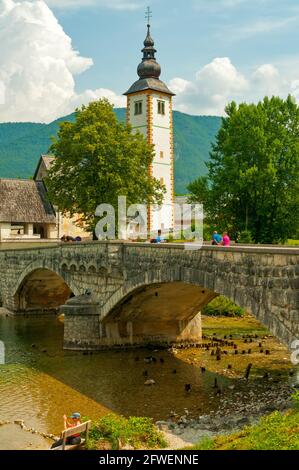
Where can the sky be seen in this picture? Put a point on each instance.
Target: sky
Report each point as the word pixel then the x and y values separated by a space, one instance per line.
pixel 58 54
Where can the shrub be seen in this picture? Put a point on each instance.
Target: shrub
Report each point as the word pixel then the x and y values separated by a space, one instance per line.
pixel 221 306
pixel 245 237
pixel 135 431
pixel 207 233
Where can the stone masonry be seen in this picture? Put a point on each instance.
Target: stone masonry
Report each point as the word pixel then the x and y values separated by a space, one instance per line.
pixel 150 294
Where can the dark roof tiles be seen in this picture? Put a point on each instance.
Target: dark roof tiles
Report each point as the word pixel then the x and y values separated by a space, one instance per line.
pixel 25 201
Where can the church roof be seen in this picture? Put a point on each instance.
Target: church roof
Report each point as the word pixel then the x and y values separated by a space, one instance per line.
pixel 25 201
pixel 149 84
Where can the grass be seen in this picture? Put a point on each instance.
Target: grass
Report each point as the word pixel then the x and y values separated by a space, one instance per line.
pixel 277 431
pixel 117 431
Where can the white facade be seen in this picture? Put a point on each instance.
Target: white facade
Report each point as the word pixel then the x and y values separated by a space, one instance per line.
pixel 154 120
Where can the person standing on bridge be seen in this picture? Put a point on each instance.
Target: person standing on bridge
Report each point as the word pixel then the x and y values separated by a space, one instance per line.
pixel 217 238
pixel 225 239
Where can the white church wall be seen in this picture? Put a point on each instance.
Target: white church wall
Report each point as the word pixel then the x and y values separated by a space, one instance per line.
pixel 139 119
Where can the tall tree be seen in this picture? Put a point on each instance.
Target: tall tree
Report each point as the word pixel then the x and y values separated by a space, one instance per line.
pixel 99 159
pixel 253 178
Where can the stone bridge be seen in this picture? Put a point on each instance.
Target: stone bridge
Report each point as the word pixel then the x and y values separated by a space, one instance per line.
pixel 149 294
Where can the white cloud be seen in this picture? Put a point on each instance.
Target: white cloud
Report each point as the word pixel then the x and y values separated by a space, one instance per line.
pixel 213 87
pixel 113 4
pixel 219 82
pixel 38 65
pixel 263 26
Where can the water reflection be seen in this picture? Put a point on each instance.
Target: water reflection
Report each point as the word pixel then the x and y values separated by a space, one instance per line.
pixel 40 381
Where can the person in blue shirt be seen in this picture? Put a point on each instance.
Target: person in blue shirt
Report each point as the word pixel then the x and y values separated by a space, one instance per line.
pixel 159 238
pixel 217 238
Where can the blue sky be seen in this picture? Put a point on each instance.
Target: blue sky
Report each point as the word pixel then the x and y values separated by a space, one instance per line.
pixel 188 35
pixel 211 51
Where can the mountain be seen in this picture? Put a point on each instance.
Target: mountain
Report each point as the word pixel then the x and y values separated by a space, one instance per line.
pixel 23 143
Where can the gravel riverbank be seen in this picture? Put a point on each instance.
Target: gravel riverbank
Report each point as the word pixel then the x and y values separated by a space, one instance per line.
pixel 235 411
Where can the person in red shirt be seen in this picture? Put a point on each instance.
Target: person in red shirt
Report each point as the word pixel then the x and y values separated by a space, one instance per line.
pixel 75 438
pixel 225 239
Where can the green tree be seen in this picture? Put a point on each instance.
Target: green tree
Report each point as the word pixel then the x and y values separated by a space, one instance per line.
pixel 253 179
pixel 99 159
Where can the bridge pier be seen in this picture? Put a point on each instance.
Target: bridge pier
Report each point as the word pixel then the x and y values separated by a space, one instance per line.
pixel 84 329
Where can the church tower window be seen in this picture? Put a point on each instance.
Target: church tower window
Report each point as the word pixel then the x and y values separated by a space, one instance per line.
pixel 161 107
pixel 138 108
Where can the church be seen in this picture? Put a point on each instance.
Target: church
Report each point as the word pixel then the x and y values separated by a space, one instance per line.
pixel 25 212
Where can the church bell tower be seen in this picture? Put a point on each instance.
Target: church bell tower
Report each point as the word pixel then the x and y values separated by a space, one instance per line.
pixel 149 111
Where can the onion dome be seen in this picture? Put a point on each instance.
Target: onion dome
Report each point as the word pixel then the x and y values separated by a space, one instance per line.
pixel 149 67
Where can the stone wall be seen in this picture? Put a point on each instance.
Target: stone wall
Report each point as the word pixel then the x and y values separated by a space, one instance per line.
pixel 133 306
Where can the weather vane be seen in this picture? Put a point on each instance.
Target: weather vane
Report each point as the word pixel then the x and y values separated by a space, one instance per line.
pixel 148 15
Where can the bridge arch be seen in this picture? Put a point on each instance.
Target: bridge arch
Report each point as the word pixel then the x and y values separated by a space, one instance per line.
pixel 169 301
pixel 42 288
pixel 203 287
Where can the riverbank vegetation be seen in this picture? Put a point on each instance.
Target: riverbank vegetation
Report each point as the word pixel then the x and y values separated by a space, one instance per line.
pixel 222 306
pixel 116 432
pixel 253 343
pixel 277 431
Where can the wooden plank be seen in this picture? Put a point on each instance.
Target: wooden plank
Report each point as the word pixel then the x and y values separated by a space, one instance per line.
pixel 76 430
pixel 71 447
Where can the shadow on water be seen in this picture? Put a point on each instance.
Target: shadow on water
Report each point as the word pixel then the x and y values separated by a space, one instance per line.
pixel 40 381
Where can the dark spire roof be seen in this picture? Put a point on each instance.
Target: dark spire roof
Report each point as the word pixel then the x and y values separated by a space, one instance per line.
pixel 149 67
pixel 149 42
pixel 149 70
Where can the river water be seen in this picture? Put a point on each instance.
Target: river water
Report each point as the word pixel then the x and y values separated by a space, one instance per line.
pixel 40 382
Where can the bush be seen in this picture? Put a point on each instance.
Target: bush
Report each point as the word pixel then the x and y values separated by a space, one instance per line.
pixel 207 233
pixel 245 237
pixel 135 431
pixel 221 306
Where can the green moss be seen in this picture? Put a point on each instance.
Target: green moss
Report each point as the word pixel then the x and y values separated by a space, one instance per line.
pixel 137 432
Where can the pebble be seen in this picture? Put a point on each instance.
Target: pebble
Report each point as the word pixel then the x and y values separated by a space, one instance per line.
pixel 149 382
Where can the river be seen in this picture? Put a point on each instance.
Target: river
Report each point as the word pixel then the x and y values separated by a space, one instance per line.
pixel 40 382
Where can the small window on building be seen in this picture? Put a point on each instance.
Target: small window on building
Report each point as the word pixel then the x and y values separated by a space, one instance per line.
pixel 162 181
pixel 161 107
pixel 161 154
pixel 138 108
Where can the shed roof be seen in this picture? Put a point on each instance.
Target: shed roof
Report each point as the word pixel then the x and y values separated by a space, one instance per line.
pixel 25 201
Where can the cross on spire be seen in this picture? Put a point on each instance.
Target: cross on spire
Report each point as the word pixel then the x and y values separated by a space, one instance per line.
pixel 148 15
